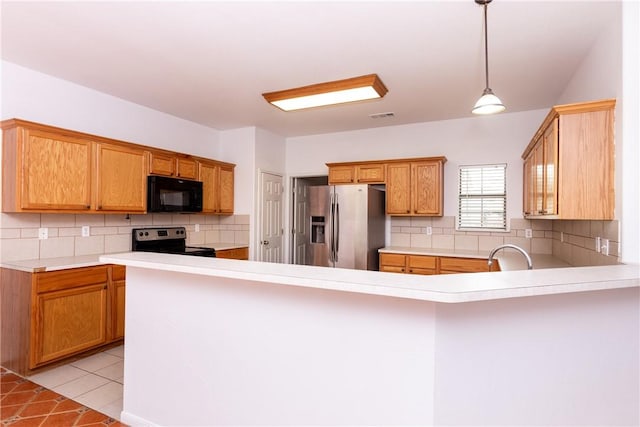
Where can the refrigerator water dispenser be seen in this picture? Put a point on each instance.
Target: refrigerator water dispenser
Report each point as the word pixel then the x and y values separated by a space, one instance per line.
pixel 317 229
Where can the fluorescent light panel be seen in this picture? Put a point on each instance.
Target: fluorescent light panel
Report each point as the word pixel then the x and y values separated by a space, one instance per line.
pixel 330 93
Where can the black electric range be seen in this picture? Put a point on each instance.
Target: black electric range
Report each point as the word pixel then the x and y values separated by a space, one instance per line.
pixel 169 240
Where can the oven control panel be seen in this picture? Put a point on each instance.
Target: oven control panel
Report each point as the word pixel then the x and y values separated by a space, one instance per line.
pixel 150 234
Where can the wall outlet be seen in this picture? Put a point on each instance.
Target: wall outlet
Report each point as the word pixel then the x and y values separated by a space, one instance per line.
pixel 604 249
pixel 598 244
pixel 197 227
pixel 43 233
pixel 86 231
pixel 528 233
pixel 429 231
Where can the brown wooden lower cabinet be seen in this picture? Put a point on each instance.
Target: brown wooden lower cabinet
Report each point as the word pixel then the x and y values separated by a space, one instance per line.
pixel 49 316
pixel 393 263
pixel 236 253
pixel 69 322
pixel 427 264
pixel 466 265
pixel 118 300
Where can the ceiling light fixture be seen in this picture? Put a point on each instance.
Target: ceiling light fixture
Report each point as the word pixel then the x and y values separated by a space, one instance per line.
pixel 329 93
pixel 488 102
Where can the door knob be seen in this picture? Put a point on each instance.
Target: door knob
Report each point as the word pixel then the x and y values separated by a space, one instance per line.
pixel 265 242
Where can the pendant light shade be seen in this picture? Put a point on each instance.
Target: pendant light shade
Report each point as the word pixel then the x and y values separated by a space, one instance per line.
pixel 488 103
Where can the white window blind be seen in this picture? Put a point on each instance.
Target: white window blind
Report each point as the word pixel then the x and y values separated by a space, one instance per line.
pixel 482 199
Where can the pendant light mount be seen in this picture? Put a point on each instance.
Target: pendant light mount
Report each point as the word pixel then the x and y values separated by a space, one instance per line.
pixel 488 103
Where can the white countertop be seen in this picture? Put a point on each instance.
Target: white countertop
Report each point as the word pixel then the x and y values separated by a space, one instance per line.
pixel 53 264
pixel 450 288
pixel 64 263
pixel 509 259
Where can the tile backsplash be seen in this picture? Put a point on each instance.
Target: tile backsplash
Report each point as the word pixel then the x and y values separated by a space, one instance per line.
pixel 108 233
pixel 412 232
pixel 576 248
pixel 575 242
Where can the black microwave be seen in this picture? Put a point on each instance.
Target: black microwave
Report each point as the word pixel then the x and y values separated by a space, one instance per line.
pixel 165 194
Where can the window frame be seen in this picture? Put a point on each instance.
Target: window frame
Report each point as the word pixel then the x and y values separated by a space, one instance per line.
pixel 482 197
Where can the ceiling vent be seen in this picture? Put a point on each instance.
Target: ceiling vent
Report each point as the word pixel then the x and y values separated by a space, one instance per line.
pixel 382 115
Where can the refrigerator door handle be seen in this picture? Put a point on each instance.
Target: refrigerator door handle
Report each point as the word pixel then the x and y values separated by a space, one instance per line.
pixel 337 231
pixel 331 231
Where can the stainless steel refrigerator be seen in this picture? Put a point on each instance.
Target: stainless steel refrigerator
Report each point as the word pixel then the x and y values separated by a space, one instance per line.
pixel 347 226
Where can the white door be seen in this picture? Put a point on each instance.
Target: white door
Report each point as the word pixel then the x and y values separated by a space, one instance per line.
pixel 301 221
pixel 271 218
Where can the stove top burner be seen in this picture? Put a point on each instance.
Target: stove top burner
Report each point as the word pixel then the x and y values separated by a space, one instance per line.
pixel 170 240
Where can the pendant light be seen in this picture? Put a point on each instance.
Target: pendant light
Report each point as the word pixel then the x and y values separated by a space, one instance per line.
pixel 488 102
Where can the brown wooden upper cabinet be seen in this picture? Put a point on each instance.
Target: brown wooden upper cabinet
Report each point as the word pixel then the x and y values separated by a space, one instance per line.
pixel 415 188
pixel 49 169
pixel 569 164
pixel 44 169
pixel 169 164
pixel 357 173
pixel 217 186
pixel 121 184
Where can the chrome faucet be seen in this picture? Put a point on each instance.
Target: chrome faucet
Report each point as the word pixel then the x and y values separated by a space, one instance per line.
pixel 517 248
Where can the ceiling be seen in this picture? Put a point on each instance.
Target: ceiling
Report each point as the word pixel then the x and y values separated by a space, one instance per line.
pixel 210 61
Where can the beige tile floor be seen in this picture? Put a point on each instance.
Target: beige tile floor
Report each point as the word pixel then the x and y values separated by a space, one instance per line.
pixel 94 381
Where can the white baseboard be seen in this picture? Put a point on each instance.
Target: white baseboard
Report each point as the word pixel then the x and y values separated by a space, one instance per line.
pixel 134 421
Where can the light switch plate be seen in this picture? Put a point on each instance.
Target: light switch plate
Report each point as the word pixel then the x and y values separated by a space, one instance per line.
pixel 598 244
pixel 43 233
pixel 197 227
pixel 85 231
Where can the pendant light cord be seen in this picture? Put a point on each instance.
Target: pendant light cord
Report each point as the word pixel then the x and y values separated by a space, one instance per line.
pixel 486 49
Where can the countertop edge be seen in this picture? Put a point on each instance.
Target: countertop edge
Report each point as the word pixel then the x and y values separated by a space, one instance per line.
pixel 65 263
pixel 454 288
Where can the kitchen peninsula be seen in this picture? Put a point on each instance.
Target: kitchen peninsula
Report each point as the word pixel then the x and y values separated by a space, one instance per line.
pixel 272 344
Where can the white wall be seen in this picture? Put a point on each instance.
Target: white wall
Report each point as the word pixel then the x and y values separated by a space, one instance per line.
pixel 252 150
pixel 238 146
pixel 37 97
pixel 630 154
pixel 493 139
pixel 599 74
pixel 270 152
